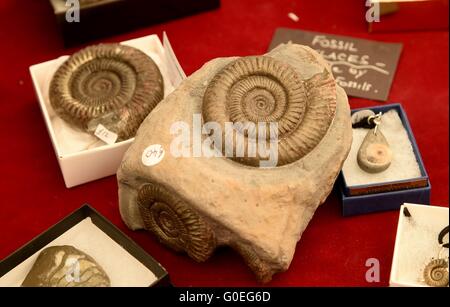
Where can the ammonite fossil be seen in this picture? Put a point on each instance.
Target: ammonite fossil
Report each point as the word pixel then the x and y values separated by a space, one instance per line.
pixel 261 89
pixel 175 223
pixel 198 202
pixel 109 84
pixel 435 273
pixel 65 266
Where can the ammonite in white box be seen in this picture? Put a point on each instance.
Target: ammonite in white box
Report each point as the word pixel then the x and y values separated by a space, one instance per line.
pixel 112 85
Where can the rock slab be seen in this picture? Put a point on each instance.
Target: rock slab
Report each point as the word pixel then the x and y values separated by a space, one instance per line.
pixel 195 204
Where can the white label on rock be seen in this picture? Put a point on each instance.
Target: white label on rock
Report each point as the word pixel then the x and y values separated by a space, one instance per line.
pixel 105 135
pixel 153 154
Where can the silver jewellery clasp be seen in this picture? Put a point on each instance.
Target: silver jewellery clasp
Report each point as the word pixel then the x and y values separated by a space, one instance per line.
pixel 376 119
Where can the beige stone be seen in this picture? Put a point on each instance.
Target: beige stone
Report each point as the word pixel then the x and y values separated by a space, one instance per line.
pixel 194 204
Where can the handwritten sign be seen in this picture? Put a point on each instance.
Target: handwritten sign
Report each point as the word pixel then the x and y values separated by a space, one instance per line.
pixel 363 68
pixel 152 155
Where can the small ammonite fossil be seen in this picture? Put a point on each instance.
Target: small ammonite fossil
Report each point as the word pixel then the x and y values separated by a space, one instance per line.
pixel 109 84
pixel 435 273
pixel 261 89
pixel 65 266
pixel 175 223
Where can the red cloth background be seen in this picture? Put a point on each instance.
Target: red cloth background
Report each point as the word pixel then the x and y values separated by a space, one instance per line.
pixel 333 249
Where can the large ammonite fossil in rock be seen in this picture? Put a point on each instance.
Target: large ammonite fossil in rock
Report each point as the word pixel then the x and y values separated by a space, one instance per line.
pixel 109 84
pixel 264 90
pixel 195 202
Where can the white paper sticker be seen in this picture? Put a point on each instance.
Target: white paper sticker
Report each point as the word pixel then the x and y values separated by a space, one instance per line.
pixel 153 154
pixel 105 135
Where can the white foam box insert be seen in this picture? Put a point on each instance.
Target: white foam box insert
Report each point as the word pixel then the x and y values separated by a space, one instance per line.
pixel 122 268
pixel 81 156
pixel 416 243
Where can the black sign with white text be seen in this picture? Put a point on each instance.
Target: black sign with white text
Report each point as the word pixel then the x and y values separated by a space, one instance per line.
pixel 363 68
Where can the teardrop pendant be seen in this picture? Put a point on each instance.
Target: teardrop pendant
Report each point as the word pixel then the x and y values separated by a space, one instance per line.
pixel 374 155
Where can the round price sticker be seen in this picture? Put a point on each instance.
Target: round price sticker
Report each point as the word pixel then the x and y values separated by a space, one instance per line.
pixel 153 154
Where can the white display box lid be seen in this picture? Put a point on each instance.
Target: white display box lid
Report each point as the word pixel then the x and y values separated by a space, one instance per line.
pixel 416 243
pixel 95 163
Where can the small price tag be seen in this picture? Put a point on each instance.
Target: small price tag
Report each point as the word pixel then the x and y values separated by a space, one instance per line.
pixel 105 135
pixel 152 155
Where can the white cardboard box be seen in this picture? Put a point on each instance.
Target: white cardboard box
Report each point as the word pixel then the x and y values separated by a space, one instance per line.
pixel 416 243
pixel 94 163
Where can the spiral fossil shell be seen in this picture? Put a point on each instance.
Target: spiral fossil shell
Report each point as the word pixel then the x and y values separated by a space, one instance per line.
pixel 261 89
pixel 436 273
pixel 55 265
pixel 374 154
pixel 109 84
pixel 175 223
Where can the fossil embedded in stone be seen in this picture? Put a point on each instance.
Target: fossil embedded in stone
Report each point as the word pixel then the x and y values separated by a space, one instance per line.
pixel 436 273
pixel 196 203
pixel 375 154
pixel 265 90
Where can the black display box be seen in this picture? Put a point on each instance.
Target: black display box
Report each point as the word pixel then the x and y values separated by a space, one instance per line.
pixel 22 254
pixel 100 18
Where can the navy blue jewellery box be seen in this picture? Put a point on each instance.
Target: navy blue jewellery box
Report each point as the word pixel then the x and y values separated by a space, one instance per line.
pixel 391 195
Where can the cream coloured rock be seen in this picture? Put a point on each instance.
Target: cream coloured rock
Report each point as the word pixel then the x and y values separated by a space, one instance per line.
pixel 194 204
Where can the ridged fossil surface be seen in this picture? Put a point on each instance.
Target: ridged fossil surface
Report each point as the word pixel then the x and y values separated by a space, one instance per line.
pixel 109 84
pixel 86 2
pixel 197 203
pixel 65 266
pixel 175 223
pixel 436 273
pixel 264 90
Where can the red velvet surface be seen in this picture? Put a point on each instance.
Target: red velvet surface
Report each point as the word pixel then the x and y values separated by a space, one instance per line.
pixel 333 250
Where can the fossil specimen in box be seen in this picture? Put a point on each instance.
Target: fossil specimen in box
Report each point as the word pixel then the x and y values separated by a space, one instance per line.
pixel 262 89
pixel 109 84
pixel 214 190
pixel 65 266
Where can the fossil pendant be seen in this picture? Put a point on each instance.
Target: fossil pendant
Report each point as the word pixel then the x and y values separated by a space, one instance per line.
pixel 374 155
pixel 436 273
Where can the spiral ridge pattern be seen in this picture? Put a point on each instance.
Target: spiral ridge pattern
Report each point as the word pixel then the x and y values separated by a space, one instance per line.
pixel 109 84
pixel 260 89
pixel 175 223
pixel 436 273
